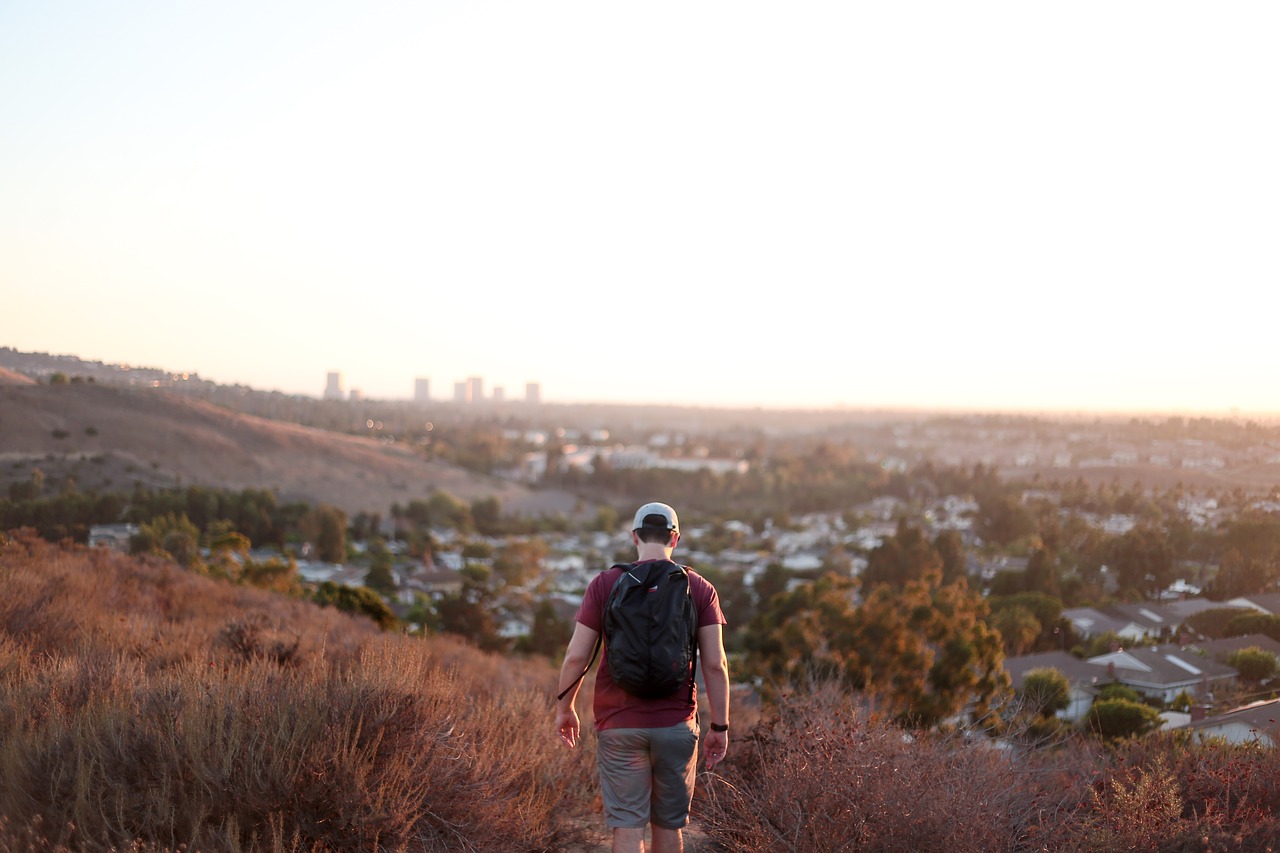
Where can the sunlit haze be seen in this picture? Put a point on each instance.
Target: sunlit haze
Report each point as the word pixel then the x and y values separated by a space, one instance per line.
pixel 992 206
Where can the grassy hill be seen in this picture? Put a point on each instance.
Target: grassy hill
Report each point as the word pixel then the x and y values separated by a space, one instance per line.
pixel 143 707
pixel 108 437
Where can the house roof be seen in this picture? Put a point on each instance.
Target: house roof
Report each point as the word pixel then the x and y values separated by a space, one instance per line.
pixel 1268 602
pixel 1090 622
pixel 1263 716
pixel 1163 666
pixel 1148 618
pixel 1220 649
pixel 1189 606
pixel 1153 617
pixel 1078 672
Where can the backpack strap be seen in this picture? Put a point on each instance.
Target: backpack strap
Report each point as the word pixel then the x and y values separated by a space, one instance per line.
pixel 583 674
pixel 693 662
pixel 595 652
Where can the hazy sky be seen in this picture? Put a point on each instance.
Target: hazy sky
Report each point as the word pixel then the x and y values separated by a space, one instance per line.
pixel 966 205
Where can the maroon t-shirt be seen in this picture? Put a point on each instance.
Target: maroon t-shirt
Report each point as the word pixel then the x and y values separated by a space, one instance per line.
pixel 615 708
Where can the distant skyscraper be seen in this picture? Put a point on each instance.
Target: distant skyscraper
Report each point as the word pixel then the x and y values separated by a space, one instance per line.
pixel 421 390
pixel 499 393
pixel 475 389
pixel 356 395
pixel 460 390
pixel 333 386
pixel 533 393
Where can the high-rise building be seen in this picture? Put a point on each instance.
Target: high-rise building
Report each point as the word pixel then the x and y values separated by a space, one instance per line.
pixel 333 386
pixel 475 389
pixel 499 393
pixel 460 390
pixel 533 393
pixel 421 390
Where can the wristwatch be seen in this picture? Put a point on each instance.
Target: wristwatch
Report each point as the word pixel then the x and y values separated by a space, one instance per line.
pixel 717 727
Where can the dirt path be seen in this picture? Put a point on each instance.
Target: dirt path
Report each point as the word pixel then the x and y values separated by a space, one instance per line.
pixel 694 840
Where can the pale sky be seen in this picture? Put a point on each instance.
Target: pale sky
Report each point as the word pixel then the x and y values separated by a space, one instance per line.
pixel 957 205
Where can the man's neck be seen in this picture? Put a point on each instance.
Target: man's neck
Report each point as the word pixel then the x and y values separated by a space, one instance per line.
pixel 652 551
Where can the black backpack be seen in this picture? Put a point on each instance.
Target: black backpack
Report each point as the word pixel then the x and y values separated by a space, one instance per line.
pixel 650 630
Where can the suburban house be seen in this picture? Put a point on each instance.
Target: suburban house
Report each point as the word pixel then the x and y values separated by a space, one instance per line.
pixel 1258 723
pixel 1082 676
pixel 1163 672
pixel 1134 622
pixel 1156 672
pixel 1268 603
pixel 1220 650
pixel 114 536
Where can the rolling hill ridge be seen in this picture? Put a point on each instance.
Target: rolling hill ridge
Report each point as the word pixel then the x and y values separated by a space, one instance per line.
pixel 106 438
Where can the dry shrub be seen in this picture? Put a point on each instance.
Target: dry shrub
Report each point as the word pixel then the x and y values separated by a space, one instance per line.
pixel 125 730
pixel 819 776
pixel 1168 792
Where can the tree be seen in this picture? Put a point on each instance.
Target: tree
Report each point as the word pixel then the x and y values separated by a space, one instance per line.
pixel 549 633
pixel 486 514
pixel 1045 691
pixel 29 490
pixel 1143 560
pixel 1018 628
pixel 1003 519
pixel 520 561
pixel 275 573
pixel 228 553
pixel 1042 573
pixel 949 547
pixel 904 557
pixel 1250 562
pixel 326 526
pixel 469 613
pixel 173 536
pixel 380 578
pixel 359 600
pixel 1117 719
pixel 1253 622
pixel 771 583
pixel 922 651
pixel 1253 663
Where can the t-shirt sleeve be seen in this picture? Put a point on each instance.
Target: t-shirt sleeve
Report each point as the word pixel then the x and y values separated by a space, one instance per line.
pixel 592 606
pixel 708 601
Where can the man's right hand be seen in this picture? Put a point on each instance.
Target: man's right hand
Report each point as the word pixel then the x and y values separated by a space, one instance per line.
pixel 717 745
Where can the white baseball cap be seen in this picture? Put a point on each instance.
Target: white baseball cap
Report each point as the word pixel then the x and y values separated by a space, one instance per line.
pixel 658 515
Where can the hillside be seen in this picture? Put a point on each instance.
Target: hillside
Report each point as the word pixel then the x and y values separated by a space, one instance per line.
pixel 109 437
pixel 148 708
pixel 10 377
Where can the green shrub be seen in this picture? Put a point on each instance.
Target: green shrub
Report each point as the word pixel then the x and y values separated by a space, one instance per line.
pixel 1121 718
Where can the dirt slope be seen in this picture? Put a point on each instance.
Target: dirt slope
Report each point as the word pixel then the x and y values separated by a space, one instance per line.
pixel 10 377
pixel 108 437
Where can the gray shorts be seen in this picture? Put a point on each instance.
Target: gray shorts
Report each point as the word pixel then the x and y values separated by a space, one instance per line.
pixel 646 775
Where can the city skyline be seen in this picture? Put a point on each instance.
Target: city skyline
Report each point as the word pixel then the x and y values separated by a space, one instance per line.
pixel 983 207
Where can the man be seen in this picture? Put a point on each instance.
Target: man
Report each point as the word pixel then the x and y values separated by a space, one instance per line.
pixel 647 749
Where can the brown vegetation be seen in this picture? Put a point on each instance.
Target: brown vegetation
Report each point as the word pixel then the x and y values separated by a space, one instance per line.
pixel 819 775
pixel 146 707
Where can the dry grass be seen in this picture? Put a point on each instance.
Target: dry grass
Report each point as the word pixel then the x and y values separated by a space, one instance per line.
pixel 819 776
pixel 145 708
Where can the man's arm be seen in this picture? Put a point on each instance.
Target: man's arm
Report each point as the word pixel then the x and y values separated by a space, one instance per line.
pixel 715 675
pixel 581 645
